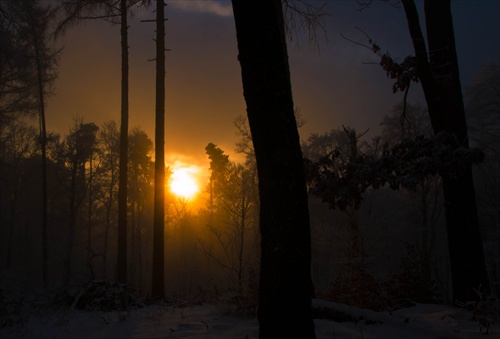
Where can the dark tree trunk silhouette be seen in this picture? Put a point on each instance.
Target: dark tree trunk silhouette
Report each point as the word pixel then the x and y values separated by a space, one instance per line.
pixel 158 279
pixel 73 206
pixel 110 146
pixel 90 202
pixel 285 286
pixel 43 142
pixel 440 79
pixel 352 211
pixel 86 9
pixel 121 271
pixel 45 60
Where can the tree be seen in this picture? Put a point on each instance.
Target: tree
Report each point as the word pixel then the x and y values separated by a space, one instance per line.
pixel 483 117
pixel 231 192
pixel 78 149
pixel 32 21
pixel 482 103
pixel 411 122
pixel 93 170
pixel 109 141
pixel 17 89
pixel 45 60
pixel 17 146
pixel 121 265
pixel 158 278
pixel 140 184
pixel 109 10
pixel 245 146
pixel 344 142
pixel 406 121
pixel 438 72
pixel 285 285
pixel 219 163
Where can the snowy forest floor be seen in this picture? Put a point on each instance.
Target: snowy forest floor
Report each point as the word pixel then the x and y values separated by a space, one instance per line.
pixel 196 320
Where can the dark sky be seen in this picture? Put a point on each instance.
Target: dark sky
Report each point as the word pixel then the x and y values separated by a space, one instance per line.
pixel 332 86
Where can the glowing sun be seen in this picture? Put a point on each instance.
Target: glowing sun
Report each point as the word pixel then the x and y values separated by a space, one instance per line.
pixel 183 183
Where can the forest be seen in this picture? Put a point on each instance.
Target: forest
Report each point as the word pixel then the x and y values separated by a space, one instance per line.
pixel 95 218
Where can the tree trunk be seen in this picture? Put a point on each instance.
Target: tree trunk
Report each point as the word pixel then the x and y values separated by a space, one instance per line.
pixel 45 222
pixel 441 83
pixel 72 224
pixel 352 211
pixel 12 225
pixel 158 279
pixel 133 240
pixel 423 68
pixel 465 244
pixel 109 205
pixel 43 143
pixel 241 246
pixel 121 271
pixel 89 221
pixel 285 285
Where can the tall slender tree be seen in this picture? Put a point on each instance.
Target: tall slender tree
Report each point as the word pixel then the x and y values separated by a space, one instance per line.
pixel 285 286
pixel 158 279
pixel 38 36
pixel 77 151
pixel 17 145
pixel 121 268
pixel 219 164
pixel 140 182
pixel 109 139
pixel 110 10
pixel 17 89
pixel 32 21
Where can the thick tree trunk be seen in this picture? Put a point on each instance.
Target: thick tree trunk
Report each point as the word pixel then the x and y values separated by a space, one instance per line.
pixel 158 279
pixel 439 75
pixel 121 271
pixel 285 287
pixel 465 244
pixel 423 68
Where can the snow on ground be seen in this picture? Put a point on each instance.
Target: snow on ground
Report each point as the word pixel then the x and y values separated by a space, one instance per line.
pixel 214 321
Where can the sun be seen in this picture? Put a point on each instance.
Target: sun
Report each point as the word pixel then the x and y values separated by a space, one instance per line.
pixel 183 183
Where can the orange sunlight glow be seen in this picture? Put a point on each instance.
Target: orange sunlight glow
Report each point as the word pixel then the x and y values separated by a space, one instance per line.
pixel 184 183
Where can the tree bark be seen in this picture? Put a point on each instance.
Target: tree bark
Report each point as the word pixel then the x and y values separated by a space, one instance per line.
pixel 423 68
pixel 468 268
pixel 439 74
pixel 285 286
pixel 158 279
pixel 121 271
pixel 38 45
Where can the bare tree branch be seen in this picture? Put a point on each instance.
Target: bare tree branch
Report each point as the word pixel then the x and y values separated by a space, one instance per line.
pixel 302 15
pixel 365 4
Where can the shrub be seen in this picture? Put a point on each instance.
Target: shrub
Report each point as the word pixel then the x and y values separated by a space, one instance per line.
pixel 105 296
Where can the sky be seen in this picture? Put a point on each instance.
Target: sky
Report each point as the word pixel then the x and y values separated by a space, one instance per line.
pixel 334 81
